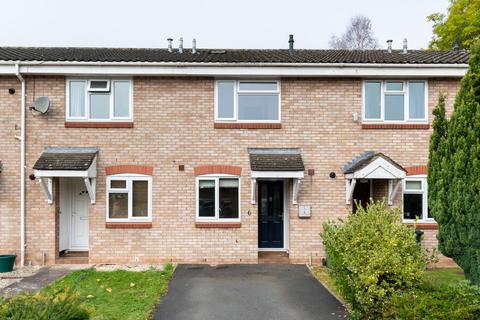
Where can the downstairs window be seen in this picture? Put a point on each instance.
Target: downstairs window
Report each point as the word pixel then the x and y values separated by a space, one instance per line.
pixel 218 198
pixel 415 199
pixel 129 198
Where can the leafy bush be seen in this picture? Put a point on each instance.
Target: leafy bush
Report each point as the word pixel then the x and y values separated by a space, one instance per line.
pixel 439 302
pixel 372 255
pixel 59 305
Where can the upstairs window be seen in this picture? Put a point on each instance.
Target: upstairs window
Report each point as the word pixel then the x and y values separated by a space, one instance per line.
pixel 415 201
pixel 395 101
pixel 99 100
pixel 247 101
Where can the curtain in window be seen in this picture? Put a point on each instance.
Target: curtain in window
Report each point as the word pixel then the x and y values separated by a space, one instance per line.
pixel 372 100
pixel 416 93
pixel 77 99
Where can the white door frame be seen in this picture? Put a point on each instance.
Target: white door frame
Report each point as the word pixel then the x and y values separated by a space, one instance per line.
pixel 67 194
pixel 286 218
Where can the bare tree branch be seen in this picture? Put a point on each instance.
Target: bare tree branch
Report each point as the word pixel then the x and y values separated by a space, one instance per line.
pixel 359 35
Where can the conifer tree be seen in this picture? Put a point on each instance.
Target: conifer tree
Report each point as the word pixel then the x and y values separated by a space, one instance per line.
pixel 455 174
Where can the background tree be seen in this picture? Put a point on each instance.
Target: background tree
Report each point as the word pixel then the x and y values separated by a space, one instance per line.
pixel 461 26
pixel 359 35
pixel 455 174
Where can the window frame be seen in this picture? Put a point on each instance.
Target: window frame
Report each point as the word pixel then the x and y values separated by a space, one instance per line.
pixel 423 191
pixel 216 178
pixel 89 92
pixel 129 178
pixel 406 102
pixel 238 92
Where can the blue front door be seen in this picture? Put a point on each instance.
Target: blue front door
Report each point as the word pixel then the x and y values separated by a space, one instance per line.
pixel 270 214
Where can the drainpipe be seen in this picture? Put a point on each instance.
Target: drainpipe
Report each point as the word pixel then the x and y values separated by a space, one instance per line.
pixel 22 168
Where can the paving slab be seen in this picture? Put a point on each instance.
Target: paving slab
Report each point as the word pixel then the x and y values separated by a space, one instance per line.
pixel 247 292
pixel 37 281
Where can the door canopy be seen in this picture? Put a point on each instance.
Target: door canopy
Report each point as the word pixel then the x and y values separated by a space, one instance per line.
pixel 373 165
pixel 276 163
pixel 68 162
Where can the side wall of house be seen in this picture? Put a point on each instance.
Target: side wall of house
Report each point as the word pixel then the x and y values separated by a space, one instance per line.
pixel 173 125
pixel 10 160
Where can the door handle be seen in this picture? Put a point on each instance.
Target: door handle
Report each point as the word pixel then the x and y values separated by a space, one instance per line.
pixel 83 218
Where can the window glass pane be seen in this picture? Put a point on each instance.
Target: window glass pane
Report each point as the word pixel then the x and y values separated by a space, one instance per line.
pixel 206 198
pixel 413 185
pixel 118 184
pixel 140 198
pixel 412 206
pixel 99 106
pixel 121 99
pixel 228 198
pixel 394 86
pixel 258 107
pixel 394 107
pixel 372 100
pixel 77 99
pixel 416 97
pixel 98 84
pixel 225 98
pixel 118 205
pixel 258 86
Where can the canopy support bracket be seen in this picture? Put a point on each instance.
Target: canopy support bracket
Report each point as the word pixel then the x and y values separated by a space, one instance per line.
pixel 90 184
pixel 393 186
pixel 350 187
pixel 47 187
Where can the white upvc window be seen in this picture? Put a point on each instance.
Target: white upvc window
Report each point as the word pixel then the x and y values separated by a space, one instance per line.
pixel 99 100
pixel 247 101
pixel 129 198
pixel 395 101
pixel 415 199
pixel 218 198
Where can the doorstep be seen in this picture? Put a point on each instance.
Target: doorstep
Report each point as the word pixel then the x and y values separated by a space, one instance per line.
pixel 273 257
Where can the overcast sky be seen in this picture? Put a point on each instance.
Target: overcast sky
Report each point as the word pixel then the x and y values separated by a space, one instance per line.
pixel 214 23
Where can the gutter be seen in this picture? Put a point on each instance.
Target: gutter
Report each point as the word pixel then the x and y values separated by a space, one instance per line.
pixel 22 167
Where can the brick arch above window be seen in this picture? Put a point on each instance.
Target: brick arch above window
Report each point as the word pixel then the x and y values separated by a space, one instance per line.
pixel 217 169
pixel 412 171
pixel 129 168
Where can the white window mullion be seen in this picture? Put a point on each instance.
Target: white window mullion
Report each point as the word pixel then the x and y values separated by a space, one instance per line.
pixel 130 198
pixel 217 198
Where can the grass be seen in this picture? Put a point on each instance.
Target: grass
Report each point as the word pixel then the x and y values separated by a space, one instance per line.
pixel 444 276
pixel 117 294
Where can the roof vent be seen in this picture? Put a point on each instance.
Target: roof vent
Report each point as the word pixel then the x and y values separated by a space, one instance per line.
pixel 170 44
pixel 194 46
pixel 217 51
pixel 389 46
pixel 290 44
pixel 180 45
pixel 456 47
pixel 405 46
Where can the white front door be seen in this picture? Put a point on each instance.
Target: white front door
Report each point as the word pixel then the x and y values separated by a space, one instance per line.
pixel 79 215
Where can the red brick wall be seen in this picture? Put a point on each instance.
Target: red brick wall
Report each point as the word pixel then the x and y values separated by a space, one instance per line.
pixel 174 126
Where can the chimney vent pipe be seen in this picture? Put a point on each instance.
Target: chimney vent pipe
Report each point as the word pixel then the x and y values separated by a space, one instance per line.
pixel 194 46
pixel 405 46
pixel 389 46
pixel 180 45
pixel 290 44
pixel 456 47
pixel 170 44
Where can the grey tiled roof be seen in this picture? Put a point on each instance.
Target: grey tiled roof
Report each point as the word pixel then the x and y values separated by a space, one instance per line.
pixel 230 55
pixel 65 158
pixel 276 159
pixel 364 159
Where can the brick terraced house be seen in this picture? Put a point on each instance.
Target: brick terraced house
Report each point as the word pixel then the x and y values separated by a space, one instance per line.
pixel 206 155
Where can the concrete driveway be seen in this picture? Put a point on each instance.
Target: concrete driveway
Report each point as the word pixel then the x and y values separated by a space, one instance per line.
pixel 244 292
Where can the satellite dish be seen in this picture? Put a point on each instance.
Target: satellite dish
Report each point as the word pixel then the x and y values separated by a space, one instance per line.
pixel 40 105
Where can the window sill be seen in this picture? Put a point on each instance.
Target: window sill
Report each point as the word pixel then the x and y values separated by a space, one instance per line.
pixel 423 225
pixel 87 124
pixel 128 225
pixel 221 225
pixel 395 126
pixel 236 125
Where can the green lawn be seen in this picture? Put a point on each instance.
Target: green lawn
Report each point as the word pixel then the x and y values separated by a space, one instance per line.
pixel 117 294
